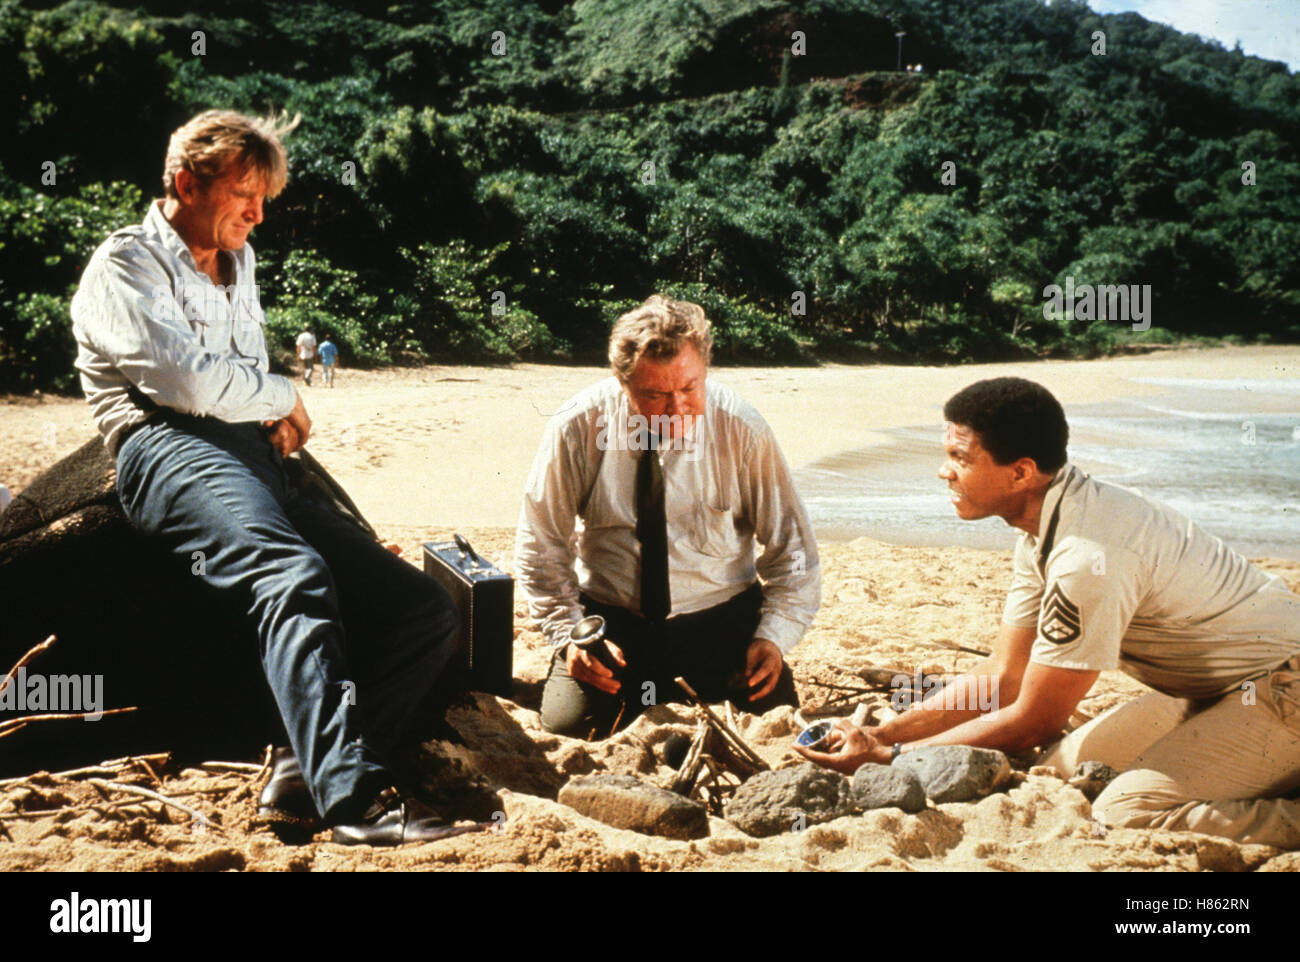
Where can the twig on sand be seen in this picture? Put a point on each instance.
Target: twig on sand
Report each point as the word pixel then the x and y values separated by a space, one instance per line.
pixel 31 653
pixel 157 797
pixel 112 766
pixel 16 724
pixel 247 767
pixel 734 741
pixel 970 650
pixel 256 780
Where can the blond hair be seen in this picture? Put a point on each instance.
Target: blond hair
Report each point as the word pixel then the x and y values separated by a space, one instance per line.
pixel 207 144
pixel 660 328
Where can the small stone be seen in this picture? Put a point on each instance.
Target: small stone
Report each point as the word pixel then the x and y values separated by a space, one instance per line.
pixel 1091 778
pixel 674 750
pixel 624 801
pixel 956 773
pixel 790 799
pixel 883 786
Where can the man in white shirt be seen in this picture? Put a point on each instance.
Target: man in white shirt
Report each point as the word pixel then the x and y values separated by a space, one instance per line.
pixel 307 354
pixel 1106 578
pixel 644 503
pixel 173 362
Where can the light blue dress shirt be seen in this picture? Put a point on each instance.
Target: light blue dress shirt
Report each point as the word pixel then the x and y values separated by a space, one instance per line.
pixel 154 330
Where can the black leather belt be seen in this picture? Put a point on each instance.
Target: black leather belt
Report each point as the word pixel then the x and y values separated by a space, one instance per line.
pixel 130 429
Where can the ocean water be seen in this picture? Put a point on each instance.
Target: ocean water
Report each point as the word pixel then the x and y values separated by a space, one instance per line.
pixel 1226 453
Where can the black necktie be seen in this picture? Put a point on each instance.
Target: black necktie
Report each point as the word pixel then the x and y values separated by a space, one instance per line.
pixel 652 532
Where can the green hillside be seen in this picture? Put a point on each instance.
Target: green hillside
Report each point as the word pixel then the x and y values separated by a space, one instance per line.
pixel 763 158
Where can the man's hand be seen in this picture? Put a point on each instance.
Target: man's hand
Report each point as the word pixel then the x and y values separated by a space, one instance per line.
pixel 853 747
pixel 282 436
pixel 763 664
pixel 290 433
pixel 585 667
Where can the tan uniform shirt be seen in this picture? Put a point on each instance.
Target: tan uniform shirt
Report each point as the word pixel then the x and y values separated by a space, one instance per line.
pixel 1130 583
pixel 724 488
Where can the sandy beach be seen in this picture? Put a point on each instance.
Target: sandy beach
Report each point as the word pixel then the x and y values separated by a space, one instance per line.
pixel 428 451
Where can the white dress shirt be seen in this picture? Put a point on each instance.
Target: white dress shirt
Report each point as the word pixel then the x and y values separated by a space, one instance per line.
pixel 150 325
pixel 726 486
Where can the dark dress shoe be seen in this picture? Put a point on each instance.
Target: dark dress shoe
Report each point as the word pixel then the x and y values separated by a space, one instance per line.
pixel 392 820
pixel 285 805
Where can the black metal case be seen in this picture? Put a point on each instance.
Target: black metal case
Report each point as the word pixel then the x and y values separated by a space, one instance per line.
pixel 484 596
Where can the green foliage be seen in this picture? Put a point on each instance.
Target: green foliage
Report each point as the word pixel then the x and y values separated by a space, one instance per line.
pixel 310 293
pixel 433 168
pixel 40 352
pixel 457 308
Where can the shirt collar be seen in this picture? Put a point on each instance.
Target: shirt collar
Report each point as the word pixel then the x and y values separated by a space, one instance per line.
pixel 1052 498
pixel 155 221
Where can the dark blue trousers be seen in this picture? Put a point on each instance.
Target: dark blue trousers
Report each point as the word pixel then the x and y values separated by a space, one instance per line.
pixel 217 496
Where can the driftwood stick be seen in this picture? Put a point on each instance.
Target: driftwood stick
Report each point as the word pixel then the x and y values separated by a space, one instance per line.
pixel 248 767
pixel 157 797
pixel 689 771
pixel 983 653
pixel 31 653
pixel 113 766
pixel 15 724
pixel 731 737
pixel 833 685
pixel 157 758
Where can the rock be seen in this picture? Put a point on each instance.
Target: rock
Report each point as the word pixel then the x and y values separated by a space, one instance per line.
pixel 625 801
pixel 883 786
pixel 674 750
pixel 956 773
pixel 1091 778
pixel 791 799
pixel 123 609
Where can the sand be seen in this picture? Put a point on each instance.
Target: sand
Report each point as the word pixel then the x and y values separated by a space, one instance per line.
pixel 431 450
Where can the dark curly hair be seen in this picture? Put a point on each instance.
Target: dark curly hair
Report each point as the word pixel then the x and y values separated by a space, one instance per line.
pixel 1014 419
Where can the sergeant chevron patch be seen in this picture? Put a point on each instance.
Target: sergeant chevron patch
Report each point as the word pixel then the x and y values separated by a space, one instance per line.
pixel 1058 620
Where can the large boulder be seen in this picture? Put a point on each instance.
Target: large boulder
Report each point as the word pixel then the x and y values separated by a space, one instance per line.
pixel 126 611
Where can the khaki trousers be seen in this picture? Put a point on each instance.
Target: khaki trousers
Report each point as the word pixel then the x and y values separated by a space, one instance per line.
pixel 1217 766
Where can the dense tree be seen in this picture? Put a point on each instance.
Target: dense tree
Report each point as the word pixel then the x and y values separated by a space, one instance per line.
pixel 500 179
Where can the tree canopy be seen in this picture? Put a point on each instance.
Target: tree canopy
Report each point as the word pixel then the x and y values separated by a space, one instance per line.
pixel 498 180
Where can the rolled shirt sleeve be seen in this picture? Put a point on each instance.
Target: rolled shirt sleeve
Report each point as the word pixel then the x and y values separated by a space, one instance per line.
pixel 546 539
pixel 789 565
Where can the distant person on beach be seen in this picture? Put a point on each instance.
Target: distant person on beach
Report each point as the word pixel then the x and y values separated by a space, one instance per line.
pixel 644 503
pixel 1107 578
pixel 307 354
pixel 173 362
pixel 329 354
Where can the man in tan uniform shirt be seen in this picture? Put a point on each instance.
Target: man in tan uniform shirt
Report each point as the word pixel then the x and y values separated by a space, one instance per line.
pixel 1106 578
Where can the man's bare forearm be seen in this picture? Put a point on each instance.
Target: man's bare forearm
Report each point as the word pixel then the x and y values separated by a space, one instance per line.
pixel 965 698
